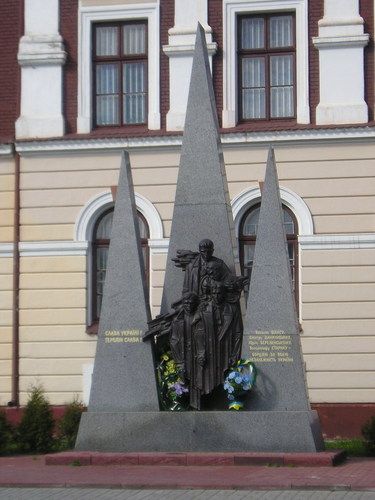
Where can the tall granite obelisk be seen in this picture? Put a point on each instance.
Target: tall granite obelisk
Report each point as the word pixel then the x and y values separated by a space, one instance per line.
pixel 124 377
pixel 271 330
pixel 202 207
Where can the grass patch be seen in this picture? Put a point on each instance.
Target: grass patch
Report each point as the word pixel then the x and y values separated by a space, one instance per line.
pixel 353 447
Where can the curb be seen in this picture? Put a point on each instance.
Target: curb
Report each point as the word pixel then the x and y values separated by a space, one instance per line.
pixel 320 459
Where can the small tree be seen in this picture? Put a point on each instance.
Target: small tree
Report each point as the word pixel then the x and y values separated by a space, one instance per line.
pixel 69 424
pixel 368 432
pixel 5 432
pixel 35 432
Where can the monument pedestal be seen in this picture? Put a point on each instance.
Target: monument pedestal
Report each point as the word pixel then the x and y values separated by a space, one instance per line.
pixel 284 431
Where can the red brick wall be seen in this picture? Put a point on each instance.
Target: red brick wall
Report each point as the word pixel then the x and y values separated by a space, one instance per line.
pixel 316 12
pixel 68 30
pixel 343 420
pixel 215 20
pixel 11 15
pixel 69 10
pixel 166 22
pixel 366 8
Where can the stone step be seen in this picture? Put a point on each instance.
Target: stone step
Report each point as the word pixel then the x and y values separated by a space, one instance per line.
pixel 324 458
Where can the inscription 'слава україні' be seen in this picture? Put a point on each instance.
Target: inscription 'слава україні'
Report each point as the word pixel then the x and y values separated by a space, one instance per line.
pixel 120 336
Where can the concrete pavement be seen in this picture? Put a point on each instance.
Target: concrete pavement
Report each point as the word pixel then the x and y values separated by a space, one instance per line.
pixel 29 471
pixel 120 494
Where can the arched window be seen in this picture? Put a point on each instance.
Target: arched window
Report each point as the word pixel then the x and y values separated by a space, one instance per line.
pixel 100 246
pixel 247 236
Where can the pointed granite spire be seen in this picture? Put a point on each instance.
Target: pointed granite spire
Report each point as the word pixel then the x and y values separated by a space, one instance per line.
pixel 202 207
pixel 270 278
pixel 124 378
pixel 271 333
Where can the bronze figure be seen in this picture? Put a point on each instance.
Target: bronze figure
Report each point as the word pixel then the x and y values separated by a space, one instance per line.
pixel 205 330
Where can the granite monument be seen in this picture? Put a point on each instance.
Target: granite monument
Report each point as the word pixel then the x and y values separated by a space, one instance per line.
pixel 123 413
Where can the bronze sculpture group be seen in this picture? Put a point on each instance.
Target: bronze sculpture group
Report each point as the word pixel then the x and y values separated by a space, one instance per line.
pixel 205 329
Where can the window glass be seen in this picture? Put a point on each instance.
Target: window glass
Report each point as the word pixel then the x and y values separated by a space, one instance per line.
pixel 253 93
pixel 281 31
pixel 250 224
pixel 103 231
pixel 266 65
pixel 106 41
pixel 281 86
pixel 247 239
pixel 134 39
pixel 107 98
pixel 120 76
pixel 252 33
pixel 134 85
pixel 102 234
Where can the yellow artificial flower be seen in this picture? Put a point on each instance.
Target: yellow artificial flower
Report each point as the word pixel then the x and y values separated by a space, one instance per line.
pixel 235 405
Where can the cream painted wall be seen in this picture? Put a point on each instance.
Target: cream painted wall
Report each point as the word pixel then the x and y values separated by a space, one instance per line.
pixel 338 294
pixel 6 276
pixel 6 288
pixel 6 199
pixel 335 180
pixel 54 344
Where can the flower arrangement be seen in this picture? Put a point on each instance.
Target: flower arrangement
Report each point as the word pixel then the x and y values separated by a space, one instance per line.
pixel 240 379
pixel 172 390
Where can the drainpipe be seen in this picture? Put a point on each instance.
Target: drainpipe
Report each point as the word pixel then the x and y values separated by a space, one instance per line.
pixel 15 401
pixel 16 286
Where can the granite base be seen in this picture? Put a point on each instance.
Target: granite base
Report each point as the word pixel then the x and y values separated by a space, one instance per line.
pixel 279 431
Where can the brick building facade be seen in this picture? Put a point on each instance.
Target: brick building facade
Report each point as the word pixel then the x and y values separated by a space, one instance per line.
pixel 81 80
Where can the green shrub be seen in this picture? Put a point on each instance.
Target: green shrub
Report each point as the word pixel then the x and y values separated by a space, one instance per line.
pixel 368 433
pixel 353 447
pixel 69 423
pixel 35 432
pixel 5 432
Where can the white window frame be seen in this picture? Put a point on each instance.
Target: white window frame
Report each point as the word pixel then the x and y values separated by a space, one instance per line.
pixel 231 10
pixel 90 15
pixel 84 232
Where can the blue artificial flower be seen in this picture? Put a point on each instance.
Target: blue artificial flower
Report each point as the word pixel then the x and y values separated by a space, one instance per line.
pixel 246 387
pixel 230 389
pixel 230 397
pixel 246 378
pixel 226 385
pixel 179 388
pixel 232 375
pixel 238 379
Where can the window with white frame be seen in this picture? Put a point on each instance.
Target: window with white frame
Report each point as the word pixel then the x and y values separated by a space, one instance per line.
pixel 119 66
pixel 266 66
pixel 120 73
pixel 100 249
pixel 248 230
pixel 265 61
